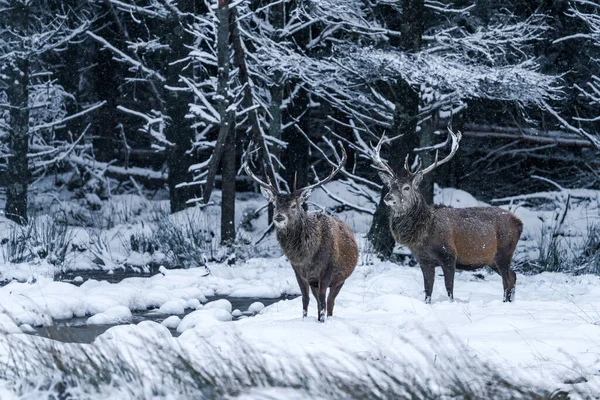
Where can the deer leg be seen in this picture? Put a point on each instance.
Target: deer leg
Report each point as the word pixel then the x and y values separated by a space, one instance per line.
pixel 428 278
pixel 303 283
pixel 315 292
pixel 322 300
pixel 449 270
pixel 448 263
pixel 509 278
pixel 333 292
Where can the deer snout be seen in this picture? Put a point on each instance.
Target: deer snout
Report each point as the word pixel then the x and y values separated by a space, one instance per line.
pixel 389 200
pixel 279 219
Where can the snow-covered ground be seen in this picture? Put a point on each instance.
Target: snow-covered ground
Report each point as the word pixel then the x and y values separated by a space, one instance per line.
pixel 548 339
pixel 549 336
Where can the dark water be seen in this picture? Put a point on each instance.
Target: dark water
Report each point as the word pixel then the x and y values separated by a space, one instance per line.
pixel 75 330
pixel 113 276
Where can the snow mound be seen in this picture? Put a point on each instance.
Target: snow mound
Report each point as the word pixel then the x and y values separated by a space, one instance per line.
pixel 222 304
pixel 193 303
pixel 173 307
pixel 204 318
pixel 172 322
pixel 256 307
pixel 114 315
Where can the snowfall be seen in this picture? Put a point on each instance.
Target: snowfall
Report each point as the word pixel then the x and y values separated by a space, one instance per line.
pixel 549 338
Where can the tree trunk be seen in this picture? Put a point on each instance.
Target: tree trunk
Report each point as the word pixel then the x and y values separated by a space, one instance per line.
pixel 277 20
pixel 295 156
pixel 178 129
pixel 405 121
pixel 223 30
pixel 18 98
pixel 426 139
pixel 411 25
pixel 228 173
pixel 248 99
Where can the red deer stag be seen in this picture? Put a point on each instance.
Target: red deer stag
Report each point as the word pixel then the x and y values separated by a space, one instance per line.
pixel 321 248
pixel 451 238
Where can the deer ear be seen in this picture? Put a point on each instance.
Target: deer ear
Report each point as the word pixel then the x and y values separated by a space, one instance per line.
pixel 386 178
pixel 304 195
pixel 417 179
pixel 268 194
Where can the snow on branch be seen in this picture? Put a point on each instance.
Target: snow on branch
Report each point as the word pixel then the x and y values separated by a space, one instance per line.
pixel 155 9
pixel 66 119
pixel 122 57
pixel 593 139
pixel 490 43
pixel 157 119
pixel 520 83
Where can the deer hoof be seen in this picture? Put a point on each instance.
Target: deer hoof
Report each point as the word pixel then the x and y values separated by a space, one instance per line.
pixel 509 296
pixel 427 299
pixel 322 316
pixel 304 314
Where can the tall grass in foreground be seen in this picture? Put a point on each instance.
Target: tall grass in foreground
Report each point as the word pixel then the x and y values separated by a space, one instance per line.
pixel 161 368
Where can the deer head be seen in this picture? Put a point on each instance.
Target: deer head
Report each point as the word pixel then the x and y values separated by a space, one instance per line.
pixel 404 191
pixel 288 206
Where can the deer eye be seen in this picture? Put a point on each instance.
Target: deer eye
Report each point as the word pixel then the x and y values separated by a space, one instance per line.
pixel 293 206
pixel 406 188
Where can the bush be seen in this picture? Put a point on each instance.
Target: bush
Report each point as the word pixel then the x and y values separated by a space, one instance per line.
pixel 588 262
pixel 187 239
pixel 42 238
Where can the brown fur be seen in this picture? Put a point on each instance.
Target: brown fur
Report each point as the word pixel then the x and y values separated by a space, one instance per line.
pixel 321 249
pixel 463 238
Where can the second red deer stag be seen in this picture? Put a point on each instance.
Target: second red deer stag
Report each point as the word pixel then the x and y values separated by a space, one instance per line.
pixel 321 248
pixel 451 238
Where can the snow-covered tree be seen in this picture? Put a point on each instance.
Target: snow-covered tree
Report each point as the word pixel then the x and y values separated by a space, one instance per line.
pixel 153 36
pixel 397 66
pixel 32 103
pixel 587 15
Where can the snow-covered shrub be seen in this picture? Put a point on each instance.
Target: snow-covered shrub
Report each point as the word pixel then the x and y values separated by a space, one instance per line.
pixel 588 262
pixel 552 256
pixel 187 239
pixel 42 238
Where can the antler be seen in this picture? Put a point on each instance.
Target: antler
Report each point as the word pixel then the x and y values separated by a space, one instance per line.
pixel 268 186
pixel 333 172
pixel 378 163
pixel 455 140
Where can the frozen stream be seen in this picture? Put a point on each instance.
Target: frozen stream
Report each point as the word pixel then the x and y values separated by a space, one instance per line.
pixel 75 330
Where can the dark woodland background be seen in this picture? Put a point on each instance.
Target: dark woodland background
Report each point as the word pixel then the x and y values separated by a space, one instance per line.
pixel 113 96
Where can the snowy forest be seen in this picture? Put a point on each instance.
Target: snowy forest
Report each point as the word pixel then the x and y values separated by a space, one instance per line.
pixel 176 174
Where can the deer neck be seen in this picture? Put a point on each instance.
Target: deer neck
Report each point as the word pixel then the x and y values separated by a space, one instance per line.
pixel 411 226
pixel 299 240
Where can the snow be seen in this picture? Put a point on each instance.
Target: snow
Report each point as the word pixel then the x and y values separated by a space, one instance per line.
pixel 548 335
pixel 173 307
pixel 546 338
pixel 114 315
pixel 172 322
pixel 221 304
pixel 203 318
pixel 256 307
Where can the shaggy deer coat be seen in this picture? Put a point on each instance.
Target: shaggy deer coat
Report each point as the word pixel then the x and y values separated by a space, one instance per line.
pixel 321 248
pixel 451 238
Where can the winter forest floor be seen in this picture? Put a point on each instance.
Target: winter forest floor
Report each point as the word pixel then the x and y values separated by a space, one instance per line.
pixel 382 342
